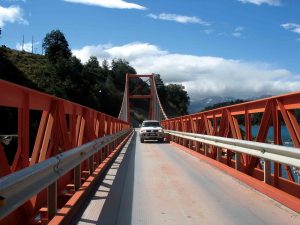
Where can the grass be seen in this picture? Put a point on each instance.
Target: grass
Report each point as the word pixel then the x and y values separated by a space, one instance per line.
pixel 27 63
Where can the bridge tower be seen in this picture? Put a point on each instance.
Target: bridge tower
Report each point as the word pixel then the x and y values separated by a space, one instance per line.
pixel 156 111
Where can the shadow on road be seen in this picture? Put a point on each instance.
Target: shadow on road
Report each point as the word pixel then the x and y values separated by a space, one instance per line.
pixel 115 192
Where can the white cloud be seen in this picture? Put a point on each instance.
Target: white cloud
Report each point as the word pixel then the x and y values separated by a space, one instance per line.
pixel 11 14
pixel 117 4
pixel 238 32
pixel 27 46
pixel 208 31
pixel 201 75
pixel 87 51
pixel 133 50
pixel 294 27
pixel 237 29
pixel 178 18
pixel 260 2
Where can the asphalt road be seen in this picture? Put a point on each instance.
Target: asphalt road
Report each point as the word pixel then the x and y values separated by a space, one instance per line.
pixel 158 184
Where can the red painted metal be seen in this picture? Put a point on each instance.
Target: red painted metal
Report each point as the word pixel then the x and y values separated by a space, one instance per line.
pixel 284 198
pixel 72 207
pixel 148 96
pixel 225 122
pixel 140 96
pixel 63 125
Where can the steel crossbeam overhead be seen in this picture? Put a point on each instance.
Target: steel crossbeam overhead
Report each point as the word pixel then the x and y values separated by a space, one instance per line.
pixel 63 125
pixel 236 122
pixel 47 181
pixel 156 110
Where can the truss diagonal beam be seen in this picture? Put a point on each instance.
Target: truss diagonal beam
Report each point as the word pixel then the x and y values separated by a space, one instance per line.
pixel 258 121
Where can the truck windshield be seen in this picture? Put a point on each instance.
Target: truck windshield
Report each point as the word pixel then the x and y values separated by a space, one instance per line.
pixel 151 124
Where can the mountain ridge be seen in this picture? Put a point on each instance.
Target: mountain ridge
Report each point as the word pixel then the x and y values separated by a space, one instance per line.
pixel 199 105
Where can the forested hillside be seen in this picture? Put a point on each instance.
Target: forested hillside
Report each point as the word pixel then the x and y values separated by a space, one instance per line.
pixel 95 84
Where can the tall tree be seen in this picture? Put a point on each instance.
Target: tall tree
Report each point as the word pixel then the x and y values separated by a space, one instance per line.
pixel 93 71
pixel 178 98
pixel 161 89
pixel 56 46
pixel 119 68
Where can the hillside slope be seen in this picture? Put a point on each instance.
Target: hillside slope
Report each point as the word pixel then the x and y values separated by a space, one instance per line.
pixel 21 67
pixel 98 86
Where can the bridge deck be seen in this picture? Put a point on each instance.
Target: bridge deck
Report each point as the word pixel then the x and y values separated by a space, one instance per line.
pixel 159 184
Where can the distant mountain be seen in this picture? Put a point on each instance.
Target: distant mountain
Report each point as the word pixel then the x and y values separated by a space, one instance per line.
pixel 196 106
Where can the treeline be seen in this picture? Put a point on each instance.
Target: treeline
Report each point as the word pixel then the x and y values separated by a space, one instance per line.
pixel 98 85
pixel 255 118
pixel 223 104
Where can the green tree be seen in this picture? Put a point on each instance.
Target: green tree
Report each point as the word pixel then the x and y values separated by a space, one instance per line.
pixel 97 85
pixel 9 71
pixel 56 46
pixel 94 72
pixel 119 69
pixel 161 89
pixel 178 98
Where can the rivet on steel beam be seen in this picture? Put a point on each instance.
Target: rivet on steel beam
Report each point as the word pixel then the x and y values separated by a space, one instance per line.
pixel 2 201
pixel 82 153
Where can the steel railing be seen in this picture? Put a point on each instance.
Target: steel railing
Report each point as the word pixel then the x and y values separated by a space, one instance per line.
pixel 18 187
pixel 267 152
pixel 282 154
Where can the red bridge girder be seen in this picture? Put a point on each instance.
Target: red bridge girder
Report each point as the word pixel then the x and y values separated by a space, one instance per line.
pixel 276 111
pixel 63 125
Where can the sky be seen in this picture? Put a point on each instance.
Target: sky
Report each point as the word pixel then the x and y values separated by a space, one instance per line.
pixel 236 48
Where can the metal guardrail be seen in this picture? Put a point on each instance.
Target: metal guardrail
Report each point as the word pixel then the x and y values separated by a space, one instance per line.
pixel 282 154
pixel 6 139
pixel 17 188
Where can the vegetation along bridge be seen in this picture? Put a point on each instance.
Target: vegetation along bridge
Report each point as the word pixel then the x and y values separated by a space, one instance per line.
pixel 81 166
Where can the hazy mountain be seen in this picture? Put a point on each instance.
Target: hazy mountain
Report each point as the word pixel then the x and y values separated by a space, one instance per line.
pixel 196 106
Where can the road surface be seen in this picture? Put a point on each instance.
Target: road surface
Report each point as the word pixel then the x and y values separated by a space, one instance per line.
pixel 159 184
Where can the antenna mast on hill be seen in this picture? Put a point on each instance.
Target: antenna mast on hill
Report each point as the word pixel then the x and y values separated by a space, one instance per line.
pixel 32 45
pixel 23 43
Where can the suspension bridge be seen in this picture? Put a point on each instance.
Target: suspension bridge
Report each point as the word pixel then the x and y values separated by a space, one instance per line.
pixel 86 167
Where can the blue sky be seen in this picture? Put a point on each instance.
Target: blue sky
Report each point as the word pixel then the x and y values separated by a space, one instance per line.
pixel 234 48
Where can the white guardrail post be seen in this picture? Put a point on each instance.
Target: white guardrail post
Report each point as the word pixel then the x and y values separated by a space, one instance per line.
pixel 17 188
pixel 268 152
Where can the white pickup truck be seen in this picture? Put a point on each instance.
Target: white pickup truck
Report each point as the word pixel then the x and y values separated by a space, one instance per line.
pixel 151 130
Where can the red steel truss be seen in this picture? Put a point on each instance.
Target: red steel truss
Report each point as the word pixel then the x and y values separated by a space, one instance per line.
pixel 63 125
pixel 275 111
pixel 150 96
